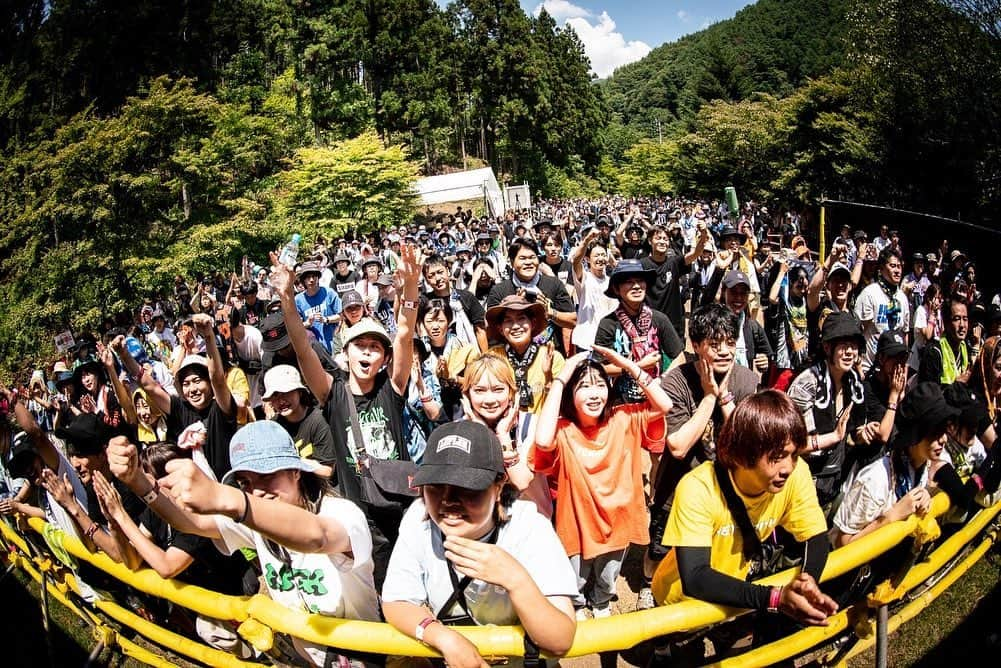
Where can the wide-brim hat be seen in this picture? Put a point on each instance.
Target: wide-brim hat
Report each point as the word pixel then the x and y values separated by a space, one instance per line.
pixel 495 314
pixel 462 454
pixel 309 267
pixel 841 325
pixel 274 334
pixel 264 447
pixel 625 269
pixel 923 411
pixel 89 363
pixel 280 379
pixel 368 327
pixel 342 257
pixel 731 231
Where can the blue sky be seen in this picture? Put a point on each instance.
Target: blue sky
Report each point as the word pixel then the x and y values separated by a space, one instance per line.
pixel 616 32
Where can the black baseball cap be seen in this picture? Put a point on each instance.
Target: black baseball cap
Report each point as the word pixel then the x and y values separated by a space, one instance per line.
pixel 891 343
pixel 464 454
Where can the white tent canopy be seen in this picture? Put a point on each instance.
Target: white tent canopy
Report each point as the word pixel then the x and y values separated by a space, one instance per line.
pixel 459 186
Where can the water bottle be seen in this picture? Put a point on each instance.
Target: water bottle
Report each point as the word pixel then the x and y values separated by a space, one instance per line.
pixel 290 252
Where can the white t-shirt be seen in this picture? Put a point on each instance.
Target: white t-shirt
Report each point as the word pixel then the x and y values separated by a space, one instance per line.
pixel 920 340
pixel 57 516
pixel 334 585
pixel 592 305
pixel 418 572
pixel 249 348
pixel 871 494
pixel 873 310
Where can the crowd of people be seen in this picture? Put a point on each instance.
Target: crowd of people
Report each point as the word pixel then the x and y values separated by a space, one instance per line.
pixel 472 420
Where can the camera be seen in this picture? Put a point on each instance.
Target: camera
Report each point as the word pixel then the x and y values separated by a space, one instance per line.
pixel 531 296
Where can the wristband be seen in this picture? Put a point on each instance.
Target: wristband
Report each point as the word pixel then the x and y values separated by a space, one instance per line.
pixel 409 304
pixel 151 496
pixel 91 530
pixel 644 379
pixel 422 627
pixel 978 481
pixel 142 372
pixel 892 406
pixel 246 507
pixel 427 400
pixel 814 442
pixel 774 598
pixel 726 398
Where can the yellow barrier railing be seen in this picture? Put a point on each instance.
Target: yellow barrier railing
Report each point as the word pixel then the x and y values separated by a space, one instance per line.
pixel 259 617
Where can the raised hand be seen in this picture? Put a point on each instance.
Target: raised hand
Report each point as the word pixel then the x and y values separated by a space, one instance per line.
pixel 123 460
pixel 190 487
pixel 282 278
pixel 108 497
pixel 61 490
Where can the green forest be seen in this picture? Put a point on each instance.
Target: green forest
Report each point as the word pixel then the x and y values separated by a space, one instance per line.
pixel 139 140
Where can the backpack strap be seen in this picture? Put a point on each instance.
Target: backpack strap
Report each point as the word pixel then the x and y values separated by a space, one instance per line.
pixel 752 544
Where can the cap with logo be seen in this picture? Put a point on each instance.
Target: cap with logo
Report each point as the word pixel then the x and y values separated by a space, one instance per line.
pixel 274 335
pixel 891 343
pixel 735 277
pixel 464 454
pixel 351 298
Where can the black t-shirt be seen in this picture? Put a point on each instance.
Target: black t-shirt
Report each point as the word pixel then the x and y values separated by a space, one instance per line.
pixel 665 293
pixel 634 251
pixel 220 428
pixel 311 436
pixel 561 269
pixel 470 304
pixel 610 334
pixel 210 569
pixel 252 315
pixel 380 417
pixel 342 284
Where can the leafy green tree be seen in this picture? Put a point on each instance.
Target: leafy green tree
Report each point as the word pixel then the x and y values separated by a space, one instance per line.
pixel 354 184
pixel 648 168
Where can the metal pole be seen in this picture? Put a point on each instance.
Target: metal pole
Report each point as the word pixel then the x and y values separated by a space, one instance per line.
pixel 95 654
pixel 823 234
pixel 882 624
pixel 44 595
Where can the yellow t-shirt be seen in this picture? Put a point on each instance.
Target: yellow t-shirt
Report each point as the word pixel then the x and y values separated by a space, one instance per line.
pixel 236 381
pixel 700 518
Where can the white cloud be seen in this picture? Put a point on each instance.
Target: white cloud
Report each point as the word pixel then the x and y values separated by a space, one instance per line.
pixel 561 10
pixel 683 16
pixel 606 48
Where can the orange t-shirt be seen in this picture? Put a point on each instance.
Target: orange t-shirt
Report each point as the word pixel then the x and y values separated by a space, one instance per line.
pixel 600 504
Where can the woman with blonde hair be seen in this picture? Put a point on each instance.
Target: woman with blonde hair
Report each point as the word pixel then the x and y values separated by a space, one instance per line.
pixel 489 396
